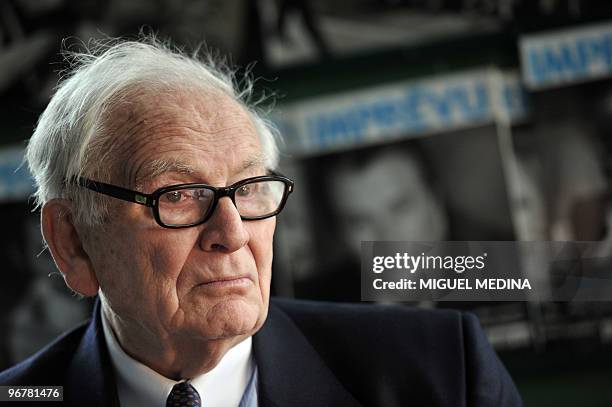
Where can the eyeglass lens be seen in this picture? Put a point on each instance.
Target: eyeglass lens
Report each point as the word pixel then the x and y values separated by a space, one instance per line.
pixel 191 205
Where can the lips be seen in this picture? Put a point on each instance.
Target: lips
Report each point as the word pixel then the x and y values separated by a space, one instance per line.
pixel 233 281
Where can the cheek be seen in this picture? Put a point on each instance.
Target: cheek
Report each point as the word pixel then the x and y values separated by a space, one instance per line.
pixel 260 243
pixel 143 263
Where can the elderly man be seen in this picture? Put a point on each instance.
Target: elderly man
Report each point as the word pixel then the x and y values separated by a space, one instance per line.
pixel 157 189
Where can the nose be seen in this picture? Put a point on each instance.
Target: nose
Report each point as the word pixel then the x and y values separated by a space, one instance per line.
pixel 224 231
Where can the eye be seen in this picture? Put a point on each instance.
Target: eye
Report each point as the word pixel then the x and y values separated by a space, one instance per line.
pixel 174 196
pixel 245 190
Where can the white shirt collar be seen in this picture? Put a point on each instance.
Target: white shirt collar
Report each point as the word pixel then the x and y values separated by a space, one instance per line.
pixel 139 385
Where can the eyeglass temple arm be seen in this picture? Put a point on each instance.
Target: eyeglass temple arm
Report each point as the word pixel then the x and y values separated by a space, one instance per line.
pixel 116 192
pixel 290 183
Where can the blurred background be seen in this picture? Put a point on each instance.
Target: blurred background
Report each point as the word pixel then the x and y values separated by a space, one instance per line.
pixel 401 120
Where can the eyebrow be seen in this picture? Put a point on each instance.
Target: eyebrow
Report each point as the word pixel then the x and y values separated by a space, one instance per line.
pixel 155 168
pixel 257 160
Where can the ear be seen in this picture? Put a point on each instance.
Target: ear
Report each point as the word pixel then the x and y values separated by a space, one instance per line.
pixel 66 247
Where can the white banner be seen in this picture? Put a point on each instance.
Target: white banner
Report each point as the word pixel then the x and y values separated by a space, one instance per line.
pixel 565 57
pixel 15 180
pixel 401 110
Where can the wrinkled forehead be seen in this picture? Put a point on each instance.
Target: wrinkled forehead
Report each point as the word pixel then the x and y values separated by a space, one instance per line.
pixel 188 131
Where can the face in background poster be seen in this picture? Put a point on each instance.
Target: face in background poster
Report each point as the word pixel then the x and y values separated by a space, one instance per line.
pixel 423 189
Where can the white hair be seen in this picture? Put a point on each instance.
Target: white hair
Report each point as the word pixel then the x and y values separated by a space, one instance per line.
pixel 69 140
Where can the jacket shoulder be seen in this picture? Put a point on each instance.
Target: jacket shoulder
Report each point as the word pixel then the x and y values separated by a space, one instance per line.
pixel 49 365
pixel 381 337
pixel 375 320
pixel 443 356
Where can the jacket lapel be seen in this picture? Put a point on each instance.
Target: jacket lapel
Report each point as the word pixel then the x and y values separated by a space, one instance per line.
pixel 90 380
pixel 290 371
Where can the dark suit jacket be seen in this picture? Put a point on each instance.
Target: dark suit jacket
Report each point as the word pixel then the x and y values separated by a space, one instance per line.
pixel 317 354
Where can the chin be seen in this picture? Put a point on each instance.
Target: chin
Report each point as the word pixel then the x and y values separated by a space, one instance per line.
pixel 232 317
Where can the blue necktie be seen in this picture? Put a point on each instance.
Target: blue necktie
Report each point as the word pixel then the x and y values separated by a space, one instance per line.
pixel 183 395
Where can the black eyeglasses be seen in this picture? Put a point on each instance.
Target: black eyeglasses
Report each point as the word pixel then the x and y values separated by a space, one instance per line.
pixel 187 205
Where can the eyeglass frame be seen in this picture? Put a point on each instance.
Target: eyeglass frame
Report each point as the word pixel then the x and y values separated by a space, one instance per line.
pixel 152 200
